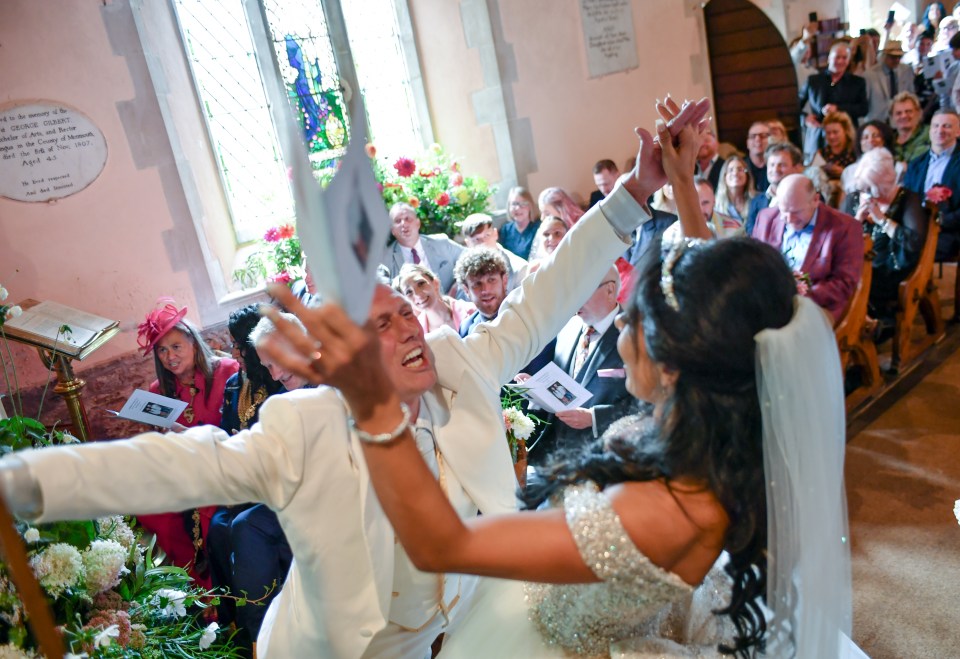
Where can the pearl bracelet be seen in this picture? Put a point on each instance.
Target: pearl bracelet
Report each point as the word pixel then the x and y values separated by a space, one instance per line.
pixel 382 438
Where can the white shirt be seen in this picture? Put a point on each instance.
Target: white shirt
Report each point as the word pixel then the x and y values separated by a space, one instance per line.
pixel 408 255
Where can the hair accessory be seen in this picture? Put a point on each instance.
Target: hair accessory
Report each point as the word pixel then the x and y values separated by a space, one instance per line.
pixel 158 322
pixel 666 270
pixel 384 436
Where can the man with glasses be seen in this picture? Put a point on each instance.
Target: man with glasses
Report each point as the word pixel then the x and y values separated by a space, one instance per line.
pixel 758 137
pixel 586 349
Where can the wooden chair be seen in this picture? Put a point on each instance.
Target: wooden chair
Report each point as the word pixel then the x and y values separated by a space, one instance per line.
pixel 918 293
pixel 854 341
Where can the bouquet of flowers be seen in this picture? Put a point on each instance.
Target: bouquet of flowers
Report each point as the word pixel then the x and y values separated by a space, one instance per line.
pixel 938 194
pixel 519 427
pixel 278 258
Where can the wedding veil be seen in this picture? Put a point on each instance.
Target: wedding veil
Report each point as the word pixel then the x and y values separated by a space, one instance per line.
pixel 800 386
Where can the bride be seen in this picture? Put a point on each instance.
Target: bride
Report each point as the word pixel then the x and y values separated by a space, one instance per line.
pixel 716 526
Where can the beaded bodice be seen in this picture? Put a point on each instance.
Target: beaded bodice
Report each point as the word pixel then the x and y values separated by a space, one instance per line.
pixel 584 619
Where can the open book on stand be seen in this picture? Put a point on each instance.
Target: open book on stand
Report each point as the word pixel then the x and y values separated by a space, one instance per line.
pixel 57 327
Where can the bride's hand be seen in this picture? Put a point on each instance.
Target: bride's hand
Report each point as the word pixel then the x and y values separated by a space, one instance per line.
pixel 335 351
pixel 679 154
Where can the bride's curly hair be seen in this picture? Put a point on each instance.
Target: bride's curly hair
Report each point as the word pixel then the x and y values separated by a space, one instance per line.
pixel 710 429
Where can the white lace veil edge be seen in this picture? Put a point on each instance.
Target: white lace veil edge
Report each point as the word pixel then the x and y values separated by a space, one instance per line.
pixel 800 386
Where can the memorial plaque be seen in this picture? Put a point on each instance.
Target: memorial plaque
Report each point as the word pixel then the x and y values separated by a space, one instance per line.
pixel 48 151
pixel 609 36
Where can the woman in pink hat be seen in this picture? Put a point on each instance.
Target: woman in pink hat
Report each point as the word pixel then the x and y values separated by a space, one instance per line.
pixel 189 370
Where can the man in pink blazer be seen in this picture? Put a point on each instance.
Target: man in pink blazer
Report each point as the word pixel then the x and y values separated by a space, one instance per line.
pixel 823 246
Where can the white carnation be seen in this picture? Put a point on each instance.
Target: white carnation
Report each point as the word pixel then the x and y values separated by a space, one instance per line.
pixel 14 311
pixel 31 535
pixel 956 510
pixel 3 293
pixel 170 602
pixel 58 568
pixel 209 635
pixel 518 423
pixel 104 562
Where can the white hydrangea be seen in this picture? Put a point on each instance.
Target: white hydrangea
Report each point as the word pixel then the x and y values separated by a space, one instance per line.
pixel 103 562
pixel 58 568
pixel 956 510
pixel 209 635
pixel 116 528
pixel 3 293
pixel 11 651
pixel 518 423
pixel 170 602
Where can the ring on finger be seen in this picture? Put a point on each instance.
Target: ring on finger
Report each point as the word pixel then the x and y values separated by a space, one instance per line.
pixel 315 360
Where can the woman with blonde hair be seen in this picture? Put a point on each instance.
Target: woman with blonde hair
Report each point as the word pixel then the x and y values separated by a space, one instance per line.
pixel 421 286
pixel 735 189
pixel 520 231
pixel 837 153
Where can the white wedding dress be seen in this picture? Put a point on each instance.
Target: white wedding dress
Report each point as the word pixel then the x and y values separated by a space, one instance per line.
pixel 638 610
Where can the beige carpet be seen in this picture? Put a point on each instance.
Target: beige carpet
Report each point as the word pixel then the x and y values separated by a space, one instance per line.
pixel 903 475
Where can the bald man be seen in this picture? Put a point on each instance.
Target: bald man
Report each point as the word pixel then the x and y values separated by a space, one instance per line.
pixel 822 246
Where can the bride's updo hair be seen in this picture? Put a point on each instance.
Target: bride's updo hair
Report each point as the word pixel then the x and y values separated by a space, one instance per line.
pixel 710 430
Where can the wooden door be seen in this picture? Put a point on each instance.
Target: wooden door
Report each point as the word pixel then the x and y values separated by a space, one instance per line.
pixel 753 76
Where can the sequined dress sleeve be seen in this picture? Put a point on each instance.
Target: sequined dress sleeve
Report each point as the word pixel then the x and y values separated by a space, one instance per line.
pixel 637 610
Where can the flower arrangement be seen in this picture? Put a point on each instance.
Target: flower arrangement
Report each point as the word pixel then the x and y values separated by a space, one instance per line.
pixel 435 186
pixel 108 594
pixel 278 258
pixel 432 183
pixel 519 427
pixel 938 194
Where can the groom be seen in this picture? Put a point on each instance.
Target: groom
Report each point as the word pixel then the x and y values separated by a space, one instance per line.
pixel 351 591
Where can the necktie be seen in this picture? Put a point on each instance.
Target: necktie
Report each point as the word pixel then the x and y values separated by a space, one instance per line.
pixel 416 257
pixel 582 350
pixel 893 82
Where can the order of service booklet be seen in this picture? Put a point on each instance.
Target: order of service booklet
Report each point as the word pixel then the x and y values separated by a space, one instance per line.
pixel 554 390
pixel 152 409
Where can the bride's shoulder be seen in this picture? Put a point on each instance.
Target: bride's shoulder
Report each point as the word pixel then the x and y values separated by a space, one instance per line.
pixel 680 526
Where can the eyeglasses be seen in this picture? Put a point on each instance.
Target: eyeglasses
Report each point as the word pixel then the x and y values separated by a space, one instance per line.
pixel 757 136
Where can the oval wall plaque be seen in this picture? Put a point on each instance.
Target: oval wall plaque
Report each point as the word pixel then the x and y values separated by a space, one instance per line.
pixel 48 151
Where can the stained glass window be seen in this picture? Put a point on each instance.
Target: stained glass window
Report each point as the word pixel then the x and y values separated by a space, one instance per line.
pixel 234 103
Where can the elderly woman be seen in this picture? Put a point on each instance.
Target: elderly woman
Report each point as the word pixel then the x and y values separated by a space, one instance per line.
pixel 896 219
pixel 518 234
pixel 872 135
pixel 189 370
pixel 433 309
pixel 735 189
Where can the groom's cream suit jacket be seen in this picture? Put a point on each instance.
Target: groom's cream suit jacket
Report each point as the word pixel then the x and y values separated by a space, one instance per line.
pixel 302 460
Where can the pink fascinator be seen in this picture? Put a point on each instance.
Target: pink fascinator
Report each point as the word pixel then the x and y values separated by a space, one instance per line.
pixel 158 322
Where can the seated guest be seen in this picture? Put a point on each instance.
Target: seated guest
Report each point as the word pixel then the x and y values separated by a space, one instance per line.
pixel 518 233
pixel 871 135
pixel 555 201
pixel 913 137
pixel 244 393
pixel 894 216
pixel 822 246
pixel 758 139
pixel 261 553
pixel 778 132
pixel 605 175
pixel 187 369
pixel 586 349
pixel 783 159
pixel 721 226
pixel 552 230
pixel 885 80
pixel 709 162
pixel 941 166
pixel 433 308
pixel 647 240
pixel 437 252
pixel 482 273
pixel 477 229
pixel 736 188
pixel 836 153
pixel 663 200
pixel 834 90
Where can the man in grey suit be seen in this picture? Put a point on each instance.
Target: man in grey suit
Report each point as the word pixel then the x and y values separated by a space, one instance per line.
pixel 437 252
pixel 586 349
pixel 885 80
